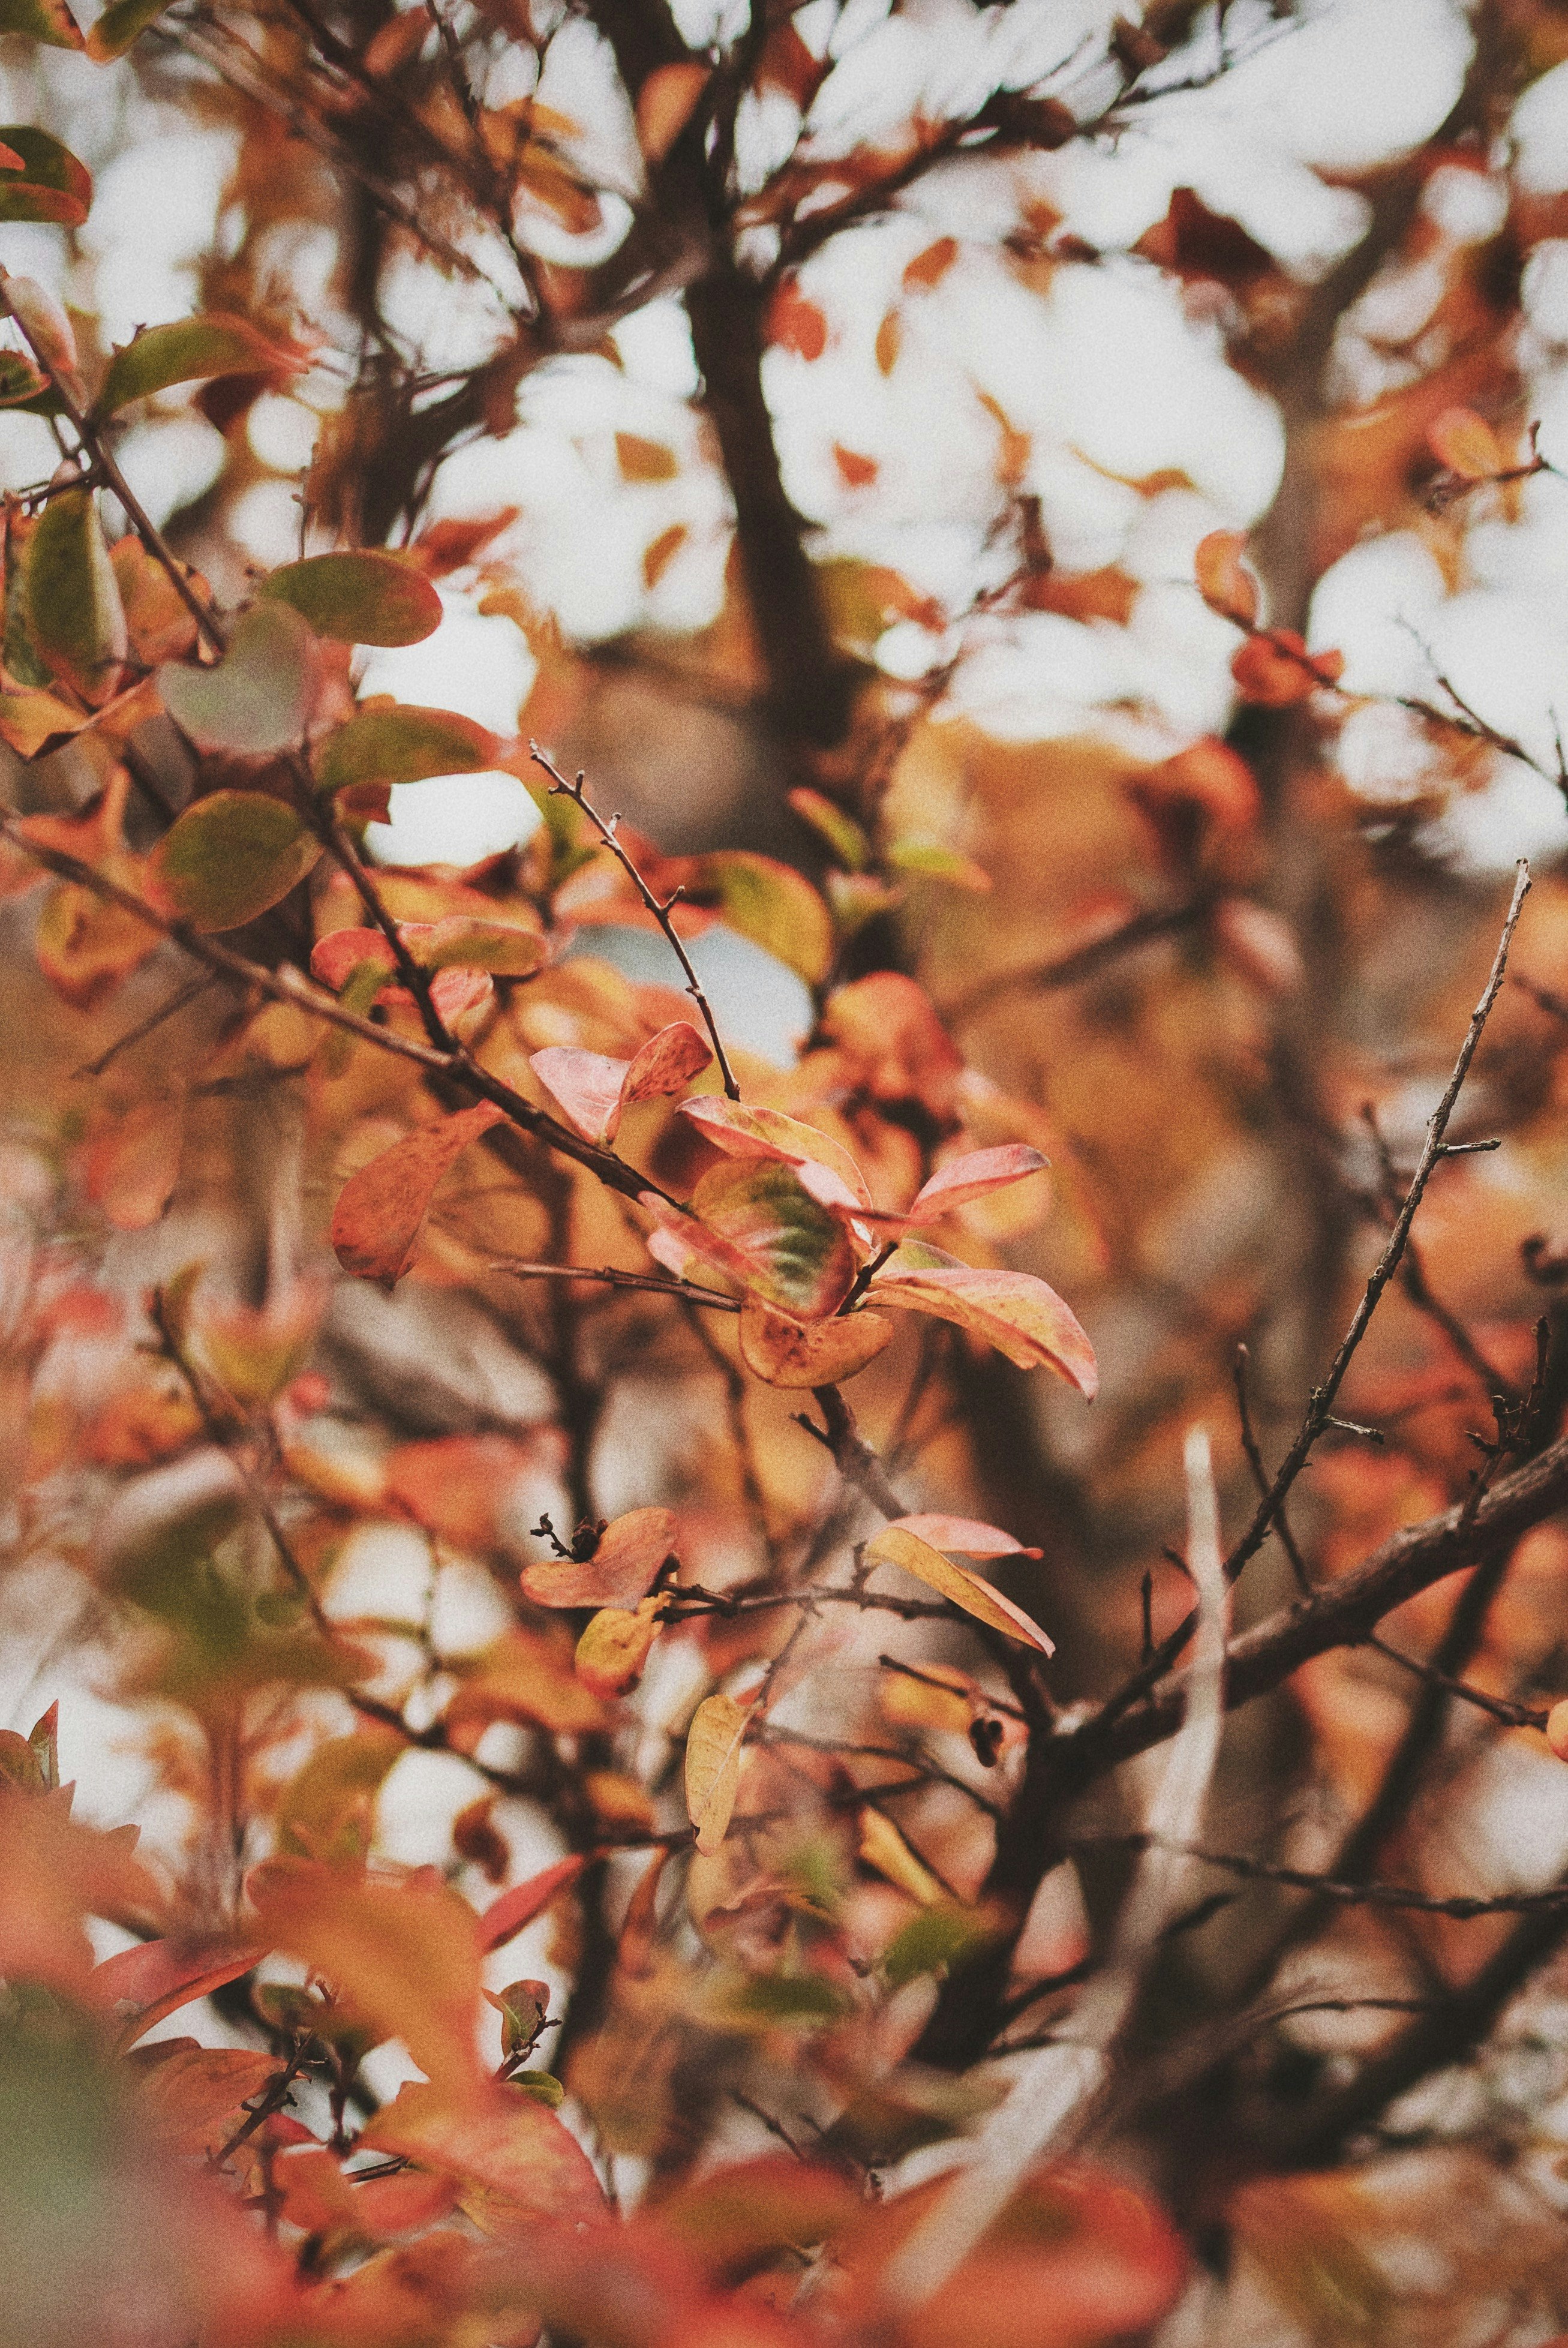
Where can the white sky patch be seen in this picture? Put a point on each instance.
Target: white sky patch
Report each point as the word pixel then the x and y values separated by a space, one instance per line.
pixel 478 667
pixel 454 819
pixel 759 1004
pixel 152 217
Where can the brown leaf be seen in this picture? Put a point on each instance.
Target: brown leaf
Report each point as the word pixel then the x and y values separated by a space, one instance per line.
pixel 795 1354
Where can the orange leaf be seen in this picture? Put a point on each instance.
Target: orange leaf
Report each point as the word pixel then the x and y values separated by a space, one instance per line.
pixel 741 1130
pixel 402 1955
pixel 1013 1311
pixel 1278 669
pixel 505 1917
pixel 890 338
pixel 627 1559
pixel 380 1210
pixel 1466 443
pixel 931 266
pixel 665 104
pixel 645 461
pixel 614 1648
pixel 526 1677
pixel 661 551
pixel 789 1352
pixel 856 472
pixel 795 323
pixel 143 1984
pixel 895 1545
pixel 1224 583
pixel 515 2162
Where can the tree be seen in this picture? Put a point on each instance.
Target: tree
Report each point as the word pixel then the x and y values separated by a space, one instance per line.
pixel 544 1391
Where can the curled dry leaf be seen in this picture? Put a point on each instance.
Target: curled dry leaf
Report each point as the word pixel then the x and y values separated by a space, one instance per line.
pixel 614 1648
pixel 380 1210
pixel 594 1091
pixel 966 1177
pixel 1020 1316
pixel 629 1555
pixel 895 1546
pixel 1224 583
pixel 712 1767
pixel 785 1351
pixel 1466 443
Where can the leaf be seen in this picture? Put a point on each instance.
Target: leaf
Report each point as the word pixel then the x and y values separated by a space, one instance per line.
pixel 889 341
pixel 894 1546
pixel 259 698
pixel 770 903
pixel 785 1351
pixel 19 379
pixel 665 104
pixel 161 625
pixel 505 1918
pixel 49 21
pixel 1466 443
pixel 186 2089
pixel 29 722
pixel 661 551
pixel 73 597
pixel 614 1648
pixel 712 1767
pixel 54 186
pixel 942 1937
pixel 391 743
pixel 594 1090
pixel 1224 583
pixel 795 323
pixel 965 1534
pixel 402 1956
pixel 1278 669
pixel 844 835
pixel 54 1871
pixel 381 1210
pixel 881 1846
pixel 1013 1311
pixel 328 1809
pixel 856 471
pixel 141 1986
pixel 230 856
pixel 119 27
pixel 516 2165
pixel 526 1676
pixel 363 598
pixel 628 1557
pixel 972 1176
pixel 645 461
pixel 931 266
pixel 742 1130
pixel 190 349
pixel 776 1237
pixel 467 942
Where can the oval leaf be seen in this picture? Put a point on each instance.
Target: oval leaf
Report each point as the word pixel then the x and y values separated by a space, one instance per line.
pixel 380 1210
pixel 119 25
pixel 894 1544
pixel 189 350
pixel 665 106
pixel 73 596
pixel 403 744
pixel 144 1984
pixel 712 1767
pixel 465 941
pixel 614 1646
pixel 49 21
pixel 1224 583
pixel 629 1555
pixel 785 1351
pixel 743 1131
pixel 768 902
pixel 1018 1314
pixel 259 698
pixel 53 185
pixel 1466 443
pixel 505 1917
pixel 232 856
pixel 359 599
pixel 584 1086
pixel 965 1534
pixel 971 1176
pixel 787 1246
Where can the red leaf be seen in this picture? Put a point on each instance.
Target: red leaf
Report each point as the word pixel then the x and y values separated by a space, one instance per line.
pixel 797 325
pixel 515 2162
pixel 505 1917
pixel 380 1210
pixel 930 267
pixel 856 472
pixel 626 1563
pixel 965 1534
pixel 143 1984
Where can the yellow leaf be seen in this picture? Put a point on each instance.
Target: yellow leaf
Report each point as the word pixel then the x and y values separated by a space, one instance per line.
pixel 665 104
pixel 883 1847
pixel 789 1352
pixel 894 1546
pixel 614 1647
pixel 712 1767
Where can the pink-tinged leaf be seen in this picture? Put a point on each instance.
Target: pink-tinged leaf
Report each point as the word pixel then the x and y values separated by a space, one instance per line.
pixel 1020 1316
pixel 191 350
pixel 584 1086
pixel 335 958
pixel 1466 443
pixel 971 1176
pixel 628 1558
pixel 666 1063
pixel 381 1210
pixel 516 2164
pixel 895 1545
pixel 402 1955
pixel 260 698
pixel 744 1131
pixel 966 1534
pixel 505 1917
pixel 232 855
pixel 47 326
pixel 782 1243
pixel 143 1984
pixel 1224 583
pixel 785 1351
pixel 366 598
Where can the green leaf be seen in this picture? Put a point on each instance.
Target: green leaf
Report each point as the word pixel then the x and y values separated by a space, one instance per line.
pixel 49 21
pixel 392 743
pixel 359 599
pixel 780 1242
pixel 19 379
pixel 189 350
pixel 844 835
pixel 73 597
pixel 119 25
pixel 53 186
pixel 772 905
pixel 258 699
pixel 934 1942
pixel 785 1998
pixel 542 2086
pixel 230 856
